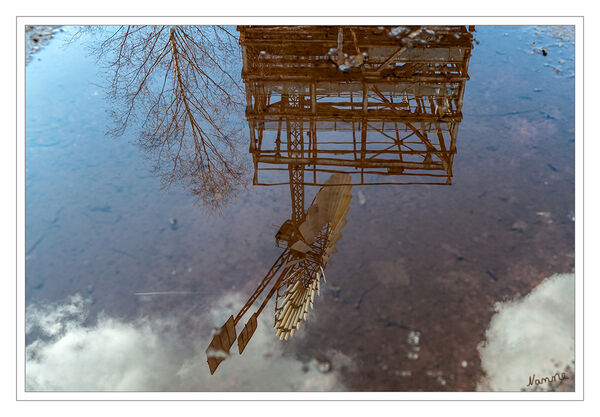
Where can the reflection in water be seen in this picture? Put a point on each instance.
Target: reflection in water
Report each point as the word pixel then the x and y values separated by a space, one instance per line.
pixel 151 354
pixel 174 84
pixel 532 335
pixel 414 261
pixel 385 110
pixel 396 115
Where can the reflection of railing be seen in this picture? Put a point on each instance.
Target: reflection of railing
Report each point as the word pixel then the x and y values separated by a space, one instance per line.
pixel 389 148
pixel 391 120
pixel 274 50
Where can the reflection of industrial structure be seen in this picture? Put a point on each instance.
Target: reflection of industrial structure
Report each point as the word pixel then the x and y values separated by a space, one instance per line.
pixel 398 112
pixel 336 107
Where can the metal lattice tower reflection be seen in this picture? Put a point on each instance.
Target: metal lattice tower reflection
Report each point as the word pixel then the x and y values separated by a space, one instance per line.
pixel 337 106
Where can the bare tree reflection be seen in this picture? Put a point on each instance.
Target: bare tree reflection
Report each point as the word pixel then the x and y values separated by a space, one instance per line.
pixel 175 85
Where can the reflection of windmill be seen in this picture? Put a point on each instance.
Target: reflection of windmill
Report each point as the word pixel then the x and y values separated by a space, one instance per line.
pixel 391 106
pixel 298 269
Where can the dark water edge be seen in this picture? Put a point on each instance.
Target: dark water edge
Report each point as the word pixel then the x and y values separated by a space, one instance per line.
pixel 37 37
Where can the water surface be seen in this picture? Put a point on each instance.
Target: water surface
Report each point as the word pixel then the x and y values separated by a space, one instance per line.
pixel 426 260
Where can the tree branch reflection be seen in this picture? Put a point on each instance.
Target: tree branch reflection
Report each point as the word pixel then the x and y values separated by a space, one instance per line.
pixel 174 85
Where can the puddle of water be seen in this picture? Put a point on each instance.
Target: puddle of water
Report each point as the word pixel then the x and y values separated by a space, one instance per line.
pixel 414 258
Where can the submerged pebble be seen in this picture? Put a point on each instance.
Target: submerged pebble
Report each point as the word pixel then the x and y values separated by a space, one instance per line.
pixel 413 337
pixel 403 373
pixel 324 366
pixel 519 226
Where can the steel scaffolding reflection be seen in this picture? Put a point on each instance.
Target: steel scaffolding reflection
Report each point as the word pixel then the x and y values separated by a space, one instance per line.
pixel 337 106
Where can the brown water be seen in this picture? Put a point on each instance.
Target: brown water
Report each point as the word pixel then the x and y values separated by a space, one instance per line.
pixel 428 259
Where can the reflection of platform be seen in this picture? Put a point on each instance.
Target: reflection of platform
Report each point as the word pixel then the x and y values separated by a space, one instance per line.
pixel 270 52
pixel 392 119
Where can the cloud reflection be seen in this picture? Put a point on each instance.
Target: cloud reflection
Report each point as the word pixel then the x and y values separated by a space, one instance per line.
pixel 532 335
pixel 153 355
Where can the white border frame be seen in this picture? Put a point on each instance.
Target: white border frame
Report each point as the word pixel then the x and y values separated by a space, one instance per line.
pixel 287 20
